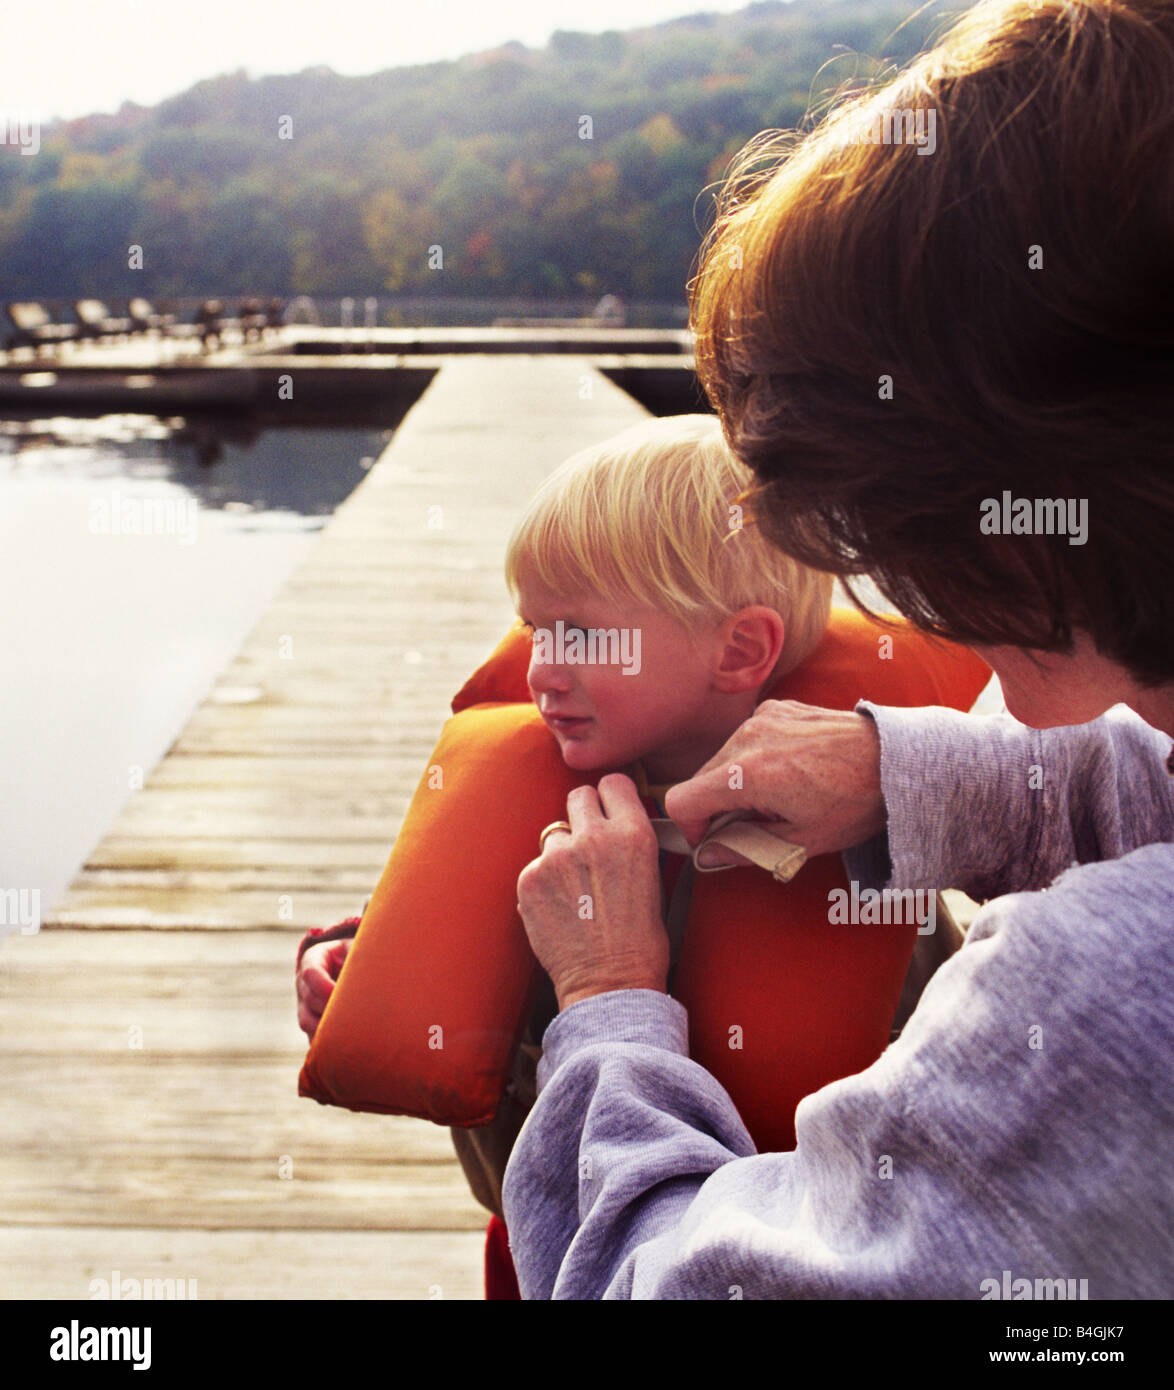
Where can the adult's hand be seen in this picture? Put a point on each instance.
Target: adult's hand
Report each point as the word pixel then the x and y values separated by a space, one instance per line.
pixel 812 774
pixel 590 902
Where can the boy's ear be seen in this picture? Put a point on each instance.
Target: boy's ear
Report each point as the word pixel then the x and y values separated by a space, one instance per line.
pixel 748 644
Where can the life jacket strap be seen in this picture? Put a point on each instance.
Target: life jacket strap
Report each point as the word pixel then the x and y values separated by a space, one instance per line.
pixel 751 839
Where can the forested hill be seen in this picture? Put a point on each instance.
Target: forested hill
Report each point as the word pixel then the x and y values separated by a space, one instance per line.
pixel 320 184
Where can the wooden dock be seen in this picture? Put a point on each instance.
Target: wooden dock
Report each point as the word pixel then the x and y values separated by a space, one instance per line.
pixel 150 1048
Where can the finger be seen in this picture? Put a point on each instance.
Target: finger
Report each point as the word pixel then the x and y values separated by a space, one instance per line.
pixel 335 958
pixel 693 804
pixel 318 984
pixel 620 799
pixel 719 857
pixel 556 837
pixel 583 808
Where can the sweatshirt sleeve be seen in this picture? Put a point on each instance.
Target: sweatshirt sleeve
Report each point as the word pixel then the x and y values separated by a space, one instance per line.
pixel 1010 1133
pixel 988 805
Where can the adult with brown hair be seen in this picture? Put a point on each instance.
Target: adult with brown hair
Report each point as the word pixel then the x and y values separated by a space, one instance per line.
pixel 950 370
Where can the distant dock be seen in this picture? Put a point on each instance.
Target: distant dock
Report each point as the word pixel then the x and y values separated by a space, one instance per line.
pixel 302 368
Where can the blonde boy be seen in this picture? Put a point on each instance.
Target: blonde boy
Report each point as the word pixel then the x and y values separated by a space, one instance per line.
pixel 660 615
pixel 683 613
pixel 659 618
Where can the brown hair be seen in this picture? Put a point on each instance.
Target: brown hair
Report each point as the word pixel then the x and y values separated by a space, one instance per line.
pixel 1016 287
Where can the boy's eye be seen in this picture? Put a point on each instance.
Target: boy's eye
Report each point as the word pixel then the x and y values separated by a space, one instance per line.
pixel 567 627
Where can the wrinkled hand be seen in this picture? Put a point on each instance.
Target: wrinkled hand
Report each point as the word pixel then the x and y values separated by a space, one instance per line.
pixel 812 774
pixel 318 970
pixel 591 901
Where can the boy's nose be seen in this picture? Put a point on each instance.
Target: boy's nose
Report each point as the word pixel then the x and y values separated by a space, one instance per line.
pixel 547 675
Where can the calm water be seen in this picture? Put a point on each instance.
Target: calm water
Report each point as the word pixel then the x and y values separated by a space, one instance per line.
pixel 135 557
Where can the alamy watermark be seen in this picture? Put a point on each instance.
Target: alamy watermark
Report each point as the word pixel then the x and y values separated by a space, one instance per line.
pixel 914 125
pixel 1035 516
pixel 116 515
pixel 84 1343
pixel 1021 1288
pixel 17 128
pixel 590 646
pixel 884 906
pixel 118 1287
pixel 20 909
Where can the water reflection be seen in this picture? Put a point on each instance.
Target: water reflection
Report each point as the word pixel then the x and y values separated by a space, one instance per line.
pixel 113 632
pixel 233 465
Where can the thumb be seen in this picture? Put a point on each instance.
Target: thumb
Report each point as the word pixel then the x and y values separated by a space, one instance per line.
pixel 693 804
pixel 719 856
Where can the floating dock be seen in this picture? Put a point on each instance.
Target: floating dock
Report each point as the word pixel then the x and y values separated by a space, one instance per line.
pixel 297 369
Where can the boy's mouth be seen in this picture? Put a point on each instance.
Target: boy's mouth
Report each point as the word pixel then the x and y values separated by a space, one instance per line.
pixel 565 725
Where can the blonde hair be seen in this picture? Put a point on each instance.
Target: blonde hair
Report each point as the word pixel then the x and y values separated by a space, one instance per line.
pixel 653 515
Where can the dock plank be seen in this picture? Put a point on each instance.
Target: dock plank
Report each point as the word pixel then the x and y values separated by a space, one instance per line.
pixel 52 1091
pixel 355 858
pixel 65 1262
pixel 228 1192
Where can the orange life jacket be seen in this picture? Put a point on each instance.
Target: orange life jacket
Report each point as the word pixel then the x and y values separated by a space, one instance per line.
pixel 438 984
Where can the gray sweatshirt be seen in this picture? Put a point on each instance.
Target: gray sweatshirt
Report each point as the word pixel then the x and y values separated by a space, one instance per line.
pixel 1020 1132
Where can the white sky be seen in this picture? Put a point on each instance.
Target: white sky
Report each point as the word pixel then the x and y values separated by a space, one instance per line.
pixel 71 57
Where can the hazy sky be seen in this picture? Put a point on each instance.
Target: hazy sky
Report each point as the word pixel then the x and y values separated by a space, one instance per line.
pixel 70 57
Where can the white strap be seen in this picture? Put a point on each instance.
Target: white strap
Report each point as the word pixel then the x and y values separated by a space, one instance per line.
pixel 750 839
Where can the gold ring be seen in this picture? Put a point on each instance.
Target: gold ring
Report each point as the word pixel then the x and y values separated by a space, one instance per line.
pixel 550 830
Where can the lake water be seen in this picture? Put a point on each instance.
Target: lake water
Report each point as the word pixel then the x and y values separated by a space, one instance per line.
pixel 135 557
